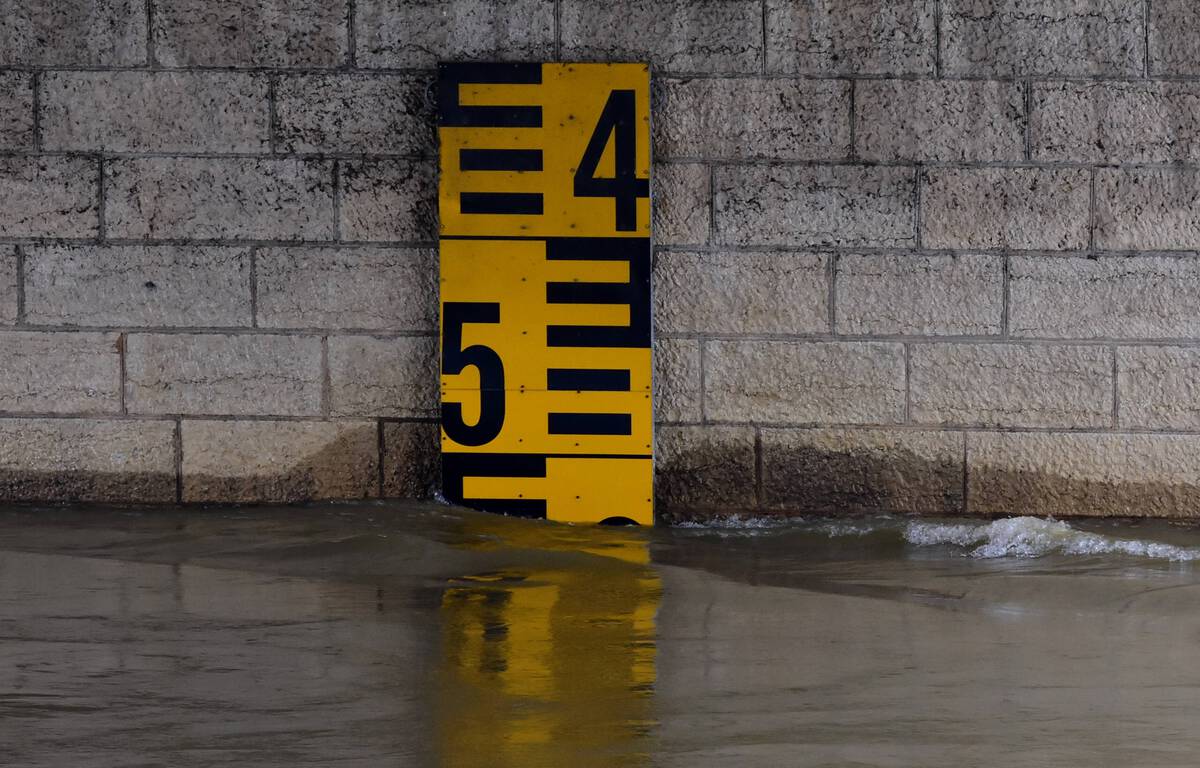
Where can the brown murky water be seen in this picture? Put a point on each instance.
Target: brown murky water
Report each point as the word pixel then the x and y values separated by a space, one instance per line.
pixel 384 635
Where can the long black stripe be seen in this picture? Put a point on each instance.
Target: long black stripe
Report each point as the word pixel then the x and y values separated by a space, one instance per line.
pixel 500 159
pixel 590 424
pixel 587 293
pixel 518 203
pixel 587 380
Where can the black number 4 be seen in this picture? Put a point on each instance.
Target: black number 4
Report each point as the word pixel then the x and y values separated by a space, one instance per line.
pixel 619 119
pixel 455 314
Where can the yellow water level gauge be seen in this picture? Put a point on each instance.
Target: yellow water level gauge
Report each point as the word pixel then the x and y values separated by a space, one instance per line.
pixel 545 289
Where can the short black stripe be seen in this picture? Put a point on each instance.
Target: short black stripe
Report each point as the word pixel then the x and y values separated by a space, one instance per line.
pixel 500 159
pixel 587 380
pixel 587 293
pixel 591 424
pixel 517 203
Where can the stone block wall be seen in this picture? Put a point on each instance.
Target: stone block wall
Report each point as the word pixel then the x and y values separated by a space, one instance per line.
pixel 926 256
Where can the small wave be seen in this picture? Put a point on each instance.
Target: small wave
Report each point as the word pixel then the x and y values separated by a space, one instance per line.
pixel 1035 537
pixel 735 522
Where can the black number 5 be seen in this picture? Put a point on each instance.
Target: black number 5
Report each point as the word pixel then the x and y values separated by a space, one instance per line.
pixel 618 120
pixel 455 314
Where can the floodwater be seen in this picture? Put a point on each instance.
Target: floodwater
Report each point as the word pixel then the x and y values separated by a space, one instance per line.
pixel 420 635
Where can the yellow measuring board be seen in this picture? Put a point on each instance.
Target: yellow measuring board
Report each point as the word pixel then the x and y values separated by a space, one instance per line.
pixel 545 290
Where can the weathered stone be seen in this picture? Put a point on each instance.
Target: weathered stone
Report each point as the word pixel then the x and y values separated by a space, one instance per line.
pixel 1158 387
pixel 704 467
pixel 87 460
pixel 1008 385
pixel 915 295
pixel 223 375
pixel 1071 38
pixel 749 292
pixel 389 200
pixel 682 204
pixel 8 284
pixel 1026 208
pixel 808 206
pixel 673 35
pixel 383 377
pixel 420 33
pixel 1083 474
pixel 380 114
pixel 783 382
pixel 1145 209
pixel 279 461
pixel 411 465
pixel 939 120
pixel 155 112
pixel 1118 297
pixel 76 373
pixel 16 110
pixel 739 118
pixel 97 285
pixel 232 198
pixel 370 288
pixel 250 33
pixel 67 33
pixel 867 37
pixel 676 380
pixel 835 471
pixel 49 197
pixel 1174 37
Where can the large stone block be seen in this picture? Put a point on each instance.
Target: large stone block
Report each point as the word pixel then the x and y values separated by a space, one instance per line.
pixel 866 37
pixel 814 206
pixel 383 377
pixel 73 33
pixel 835 471
pixel 940 120
pixel 1114 297
pixel 682 204
pixel 1147 209
pixel 8 285
pixel 16 110
pixel 1174 37
pixel 1008 385
pixel 99 285
pixel 1158 387
pixel 223 375
pixel 49 197
pixel 704 468
pixel 76 373
pixel 279 461
pixel 250 33
pixel 784 382
pixel 1071 38
pixel 226 198
pixel 915 295
pixel 677 380
pixel 673 35
pixel 155 112
pixel 369 288
pixel 1020 208
pixel 1128 475
pixel 748 292
pixel 389 200
pixel 87 460
pixel 419 33
pixel 740 118
pixel 411 460
pixel 362 114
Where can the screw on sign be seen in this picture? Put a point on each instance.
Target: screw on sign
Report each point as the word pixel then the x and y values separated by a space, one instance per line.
pixel 545 290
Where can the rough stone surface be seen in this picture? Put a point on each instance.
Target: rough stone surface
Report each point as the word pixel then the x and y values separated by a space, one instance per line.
pixel 782 382
pixel 748 292
pixel 1020 208
pixel 1174 37
pixel 809 206
pixel 736 118
pixel 1127 475
pixel 1073 38
pixel 78 373
pixel 251 461
pixel 223 375
pixel 49 197
pixel 383 377
pixel 1120 297
pixel 211 198
pixel 919 295
pixel 939 120
pixel 677 380
pixel 368 288
pixel 673 35
pixel 79 33
pixel 411 460
pixel 8 284
pixel 869 37
pixel 16 110
pixel 682 204
pixel 155 112
pixel 87 460
pixel 1158 387
pixel 389 200
pixel 377 114
pixel 420 33
pixel 250 33
pixel 140 286
pixel 835 471
pixel 702 468
pixel 1142 209
pixel 1008 385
